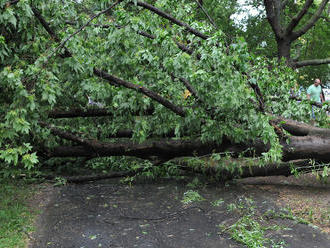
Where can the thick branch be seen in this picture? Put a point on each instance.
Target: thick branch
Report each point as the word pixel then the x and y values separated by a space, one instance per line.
pixel 301 129
pixel 68 135
pixel 311 62
pixel 43 22
pixel 273 16
pixel 119 82
pixel 296 19
pixel 273 169
pixel 281 169
pixel 172 19
pixel 307 147
pixel 165 149
pixel 311 22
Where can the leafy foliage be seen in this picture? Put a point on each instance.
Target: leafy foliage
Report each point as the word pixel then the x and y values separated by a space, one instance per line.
pixel 33 83
pixel 191 196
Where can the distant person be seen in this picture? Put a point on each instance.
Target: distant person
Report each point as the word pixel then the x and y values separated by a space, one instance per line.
pixel 314 93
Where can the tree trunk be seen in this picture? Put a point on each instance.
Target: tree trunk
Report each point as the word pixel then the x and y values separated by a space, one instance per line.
pixel 244 171
pixel 284 49
pixel 223 174
pixel 306 147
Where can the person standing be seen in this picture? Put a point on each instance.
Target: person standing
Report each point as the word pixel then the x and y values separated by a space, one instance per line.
pixel 314 93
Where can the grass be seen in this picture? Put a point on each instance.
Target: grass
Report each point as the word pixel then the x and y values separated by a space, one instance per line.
pixel 16 220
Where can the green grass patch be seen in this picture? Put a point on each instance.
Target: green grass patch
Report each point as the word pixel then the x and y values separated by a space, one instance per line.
pixel 16 220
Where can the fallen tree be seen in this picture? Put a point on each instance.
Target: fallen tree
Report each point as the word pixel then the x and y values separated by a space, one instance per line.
pixel 177 92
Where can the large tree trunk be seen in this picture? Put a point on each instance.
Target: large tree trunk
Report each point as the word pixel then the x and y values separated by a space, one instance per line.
pixel 306 142
pixel 224 174
pixel 308 147
pixel 284 49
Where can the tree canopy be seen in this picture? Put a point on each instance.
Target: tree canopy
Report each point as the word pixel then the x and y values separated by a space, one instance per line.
pixel 153 80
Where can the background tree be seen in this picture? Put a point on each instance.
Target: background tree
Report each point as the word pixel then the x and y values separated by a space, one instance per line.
pixel 294 30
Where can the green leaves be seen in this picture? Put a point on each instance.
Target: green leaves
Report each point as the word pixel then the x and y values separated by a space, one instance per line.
pixel 191 196
pixel 31 88
pixel 8 17
pixel 29 160
pixel 19 155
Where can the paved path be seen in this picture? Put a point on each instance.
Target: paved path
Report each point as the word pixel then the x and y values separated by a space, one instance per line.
pixel 110 214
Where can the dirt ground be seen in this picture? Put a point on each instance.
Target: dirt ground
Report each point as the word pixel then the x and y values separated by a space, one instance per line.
pixel 159 214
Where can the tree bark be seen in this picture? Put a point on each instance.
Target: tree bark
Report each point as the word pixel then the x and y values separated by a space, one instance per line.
pixel 281 169
pixel 301 129
pixel 284 49
pixel 165 149
pixel 312 62
pixel 305 147
pixel 273 169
